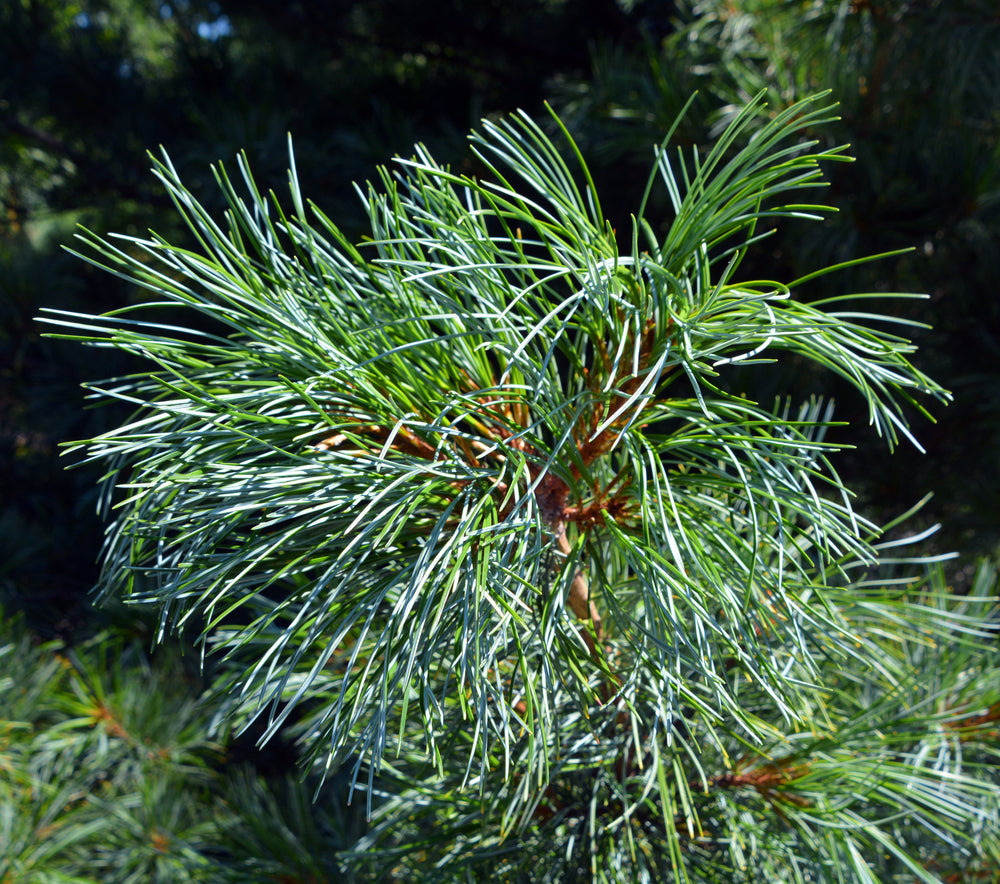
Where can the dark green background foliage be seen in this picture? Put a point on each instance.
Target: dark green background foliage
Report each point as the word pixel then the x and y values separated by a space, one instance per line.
pixel 116 774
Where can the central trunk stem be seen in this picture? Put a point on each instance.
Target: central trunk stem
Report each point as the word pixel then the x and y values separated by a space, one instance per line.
pixel 579 596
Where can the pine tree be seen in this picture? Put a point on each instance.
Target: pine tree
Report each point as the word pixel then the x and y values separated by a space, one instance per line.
pixel 477 511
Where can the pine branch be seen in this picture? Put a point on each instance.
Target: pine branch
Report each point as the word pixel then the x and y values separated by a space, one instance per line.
pixel 473 508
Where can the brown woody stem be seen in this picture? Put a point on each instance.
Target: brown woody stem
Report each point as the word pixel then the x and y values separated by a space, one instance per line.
pixel 579 597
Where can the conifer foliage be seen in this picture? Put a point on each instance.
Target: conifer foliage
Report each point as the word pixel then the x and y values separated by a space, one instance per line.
pixel 477 510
